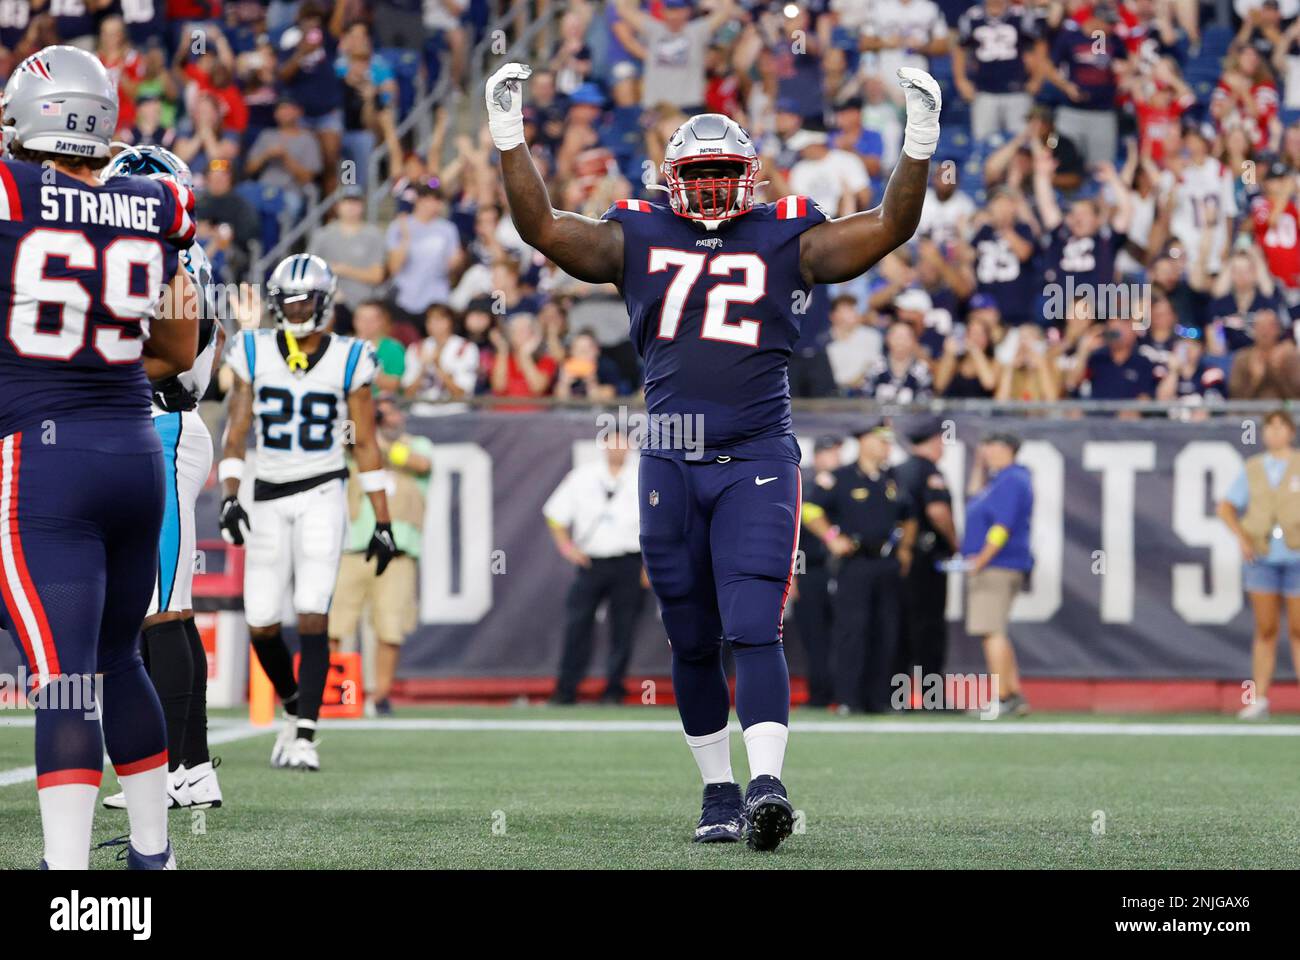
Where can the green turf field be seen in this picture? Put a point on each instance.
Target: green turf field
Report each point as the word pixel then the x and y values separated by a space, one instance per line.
pixel 903 795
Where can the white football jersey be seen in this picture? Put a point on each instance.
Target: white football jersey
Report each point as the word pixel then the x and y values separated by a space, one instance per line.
pixel 298 416
pixel 1204 199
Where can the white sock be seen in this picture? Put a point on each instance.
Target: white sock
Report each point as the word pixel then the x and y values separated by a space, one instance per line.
pixel 67 813
pixel 712 754
pixel 146 807
pixel 765 744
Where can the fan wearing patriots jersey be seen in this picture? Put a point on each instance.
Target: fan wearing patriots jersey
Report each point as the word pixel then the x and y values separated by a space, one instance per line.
pixel 716 285
pixel 1079 247
pixel 295 387
pixel 82 268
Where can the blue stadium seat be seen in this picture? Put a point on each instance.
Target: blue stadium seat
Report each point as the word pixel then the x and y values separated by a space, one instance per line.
pixel 1216 40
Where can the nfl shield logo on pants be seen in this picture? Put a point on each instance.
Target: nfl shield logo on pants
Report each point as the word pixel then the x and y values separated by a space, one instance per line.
pixel 654 498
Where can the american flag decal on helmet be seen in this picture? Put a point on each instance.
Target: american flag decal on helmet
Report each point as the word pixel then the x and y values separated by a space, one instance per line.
pixel 49 109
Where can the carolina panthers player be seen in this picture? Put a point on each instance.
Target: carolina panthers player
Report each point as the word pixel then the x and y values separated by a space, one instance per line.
pixel 715 284
pixel 82 267
pixel 172 649
pixel 299 382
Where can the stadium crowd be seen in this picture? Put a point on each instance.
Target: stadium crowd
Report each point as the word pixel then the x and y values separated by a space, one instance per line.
pixel 1113 212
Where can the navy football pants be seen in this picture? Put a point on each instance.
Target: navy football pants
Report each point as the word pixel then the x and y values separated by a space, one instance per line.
pixel 719 539
pixel 80 512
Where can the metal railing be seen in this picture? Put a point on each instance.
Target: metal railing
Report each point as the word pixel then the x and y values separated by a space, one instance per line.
pixel 421 113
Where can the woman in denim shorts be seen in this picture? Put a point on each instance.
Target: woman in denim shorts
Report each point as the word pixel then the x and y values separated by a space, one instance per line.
pixel 1263 509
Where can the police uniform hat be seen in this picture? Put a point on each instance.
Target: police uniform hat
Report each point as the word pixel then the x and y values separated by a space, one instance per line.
pixel 923 428
pixel 827 441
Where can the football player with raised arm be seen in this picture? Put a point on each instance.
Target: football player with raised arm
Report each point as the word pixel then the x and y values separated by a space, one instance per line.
pixel 307 389
pixel 83 265
pixel 715 285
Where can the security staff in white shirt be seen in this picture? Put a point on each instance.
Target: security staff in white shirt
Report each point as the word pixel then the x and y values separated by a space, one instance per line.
pixel 593 517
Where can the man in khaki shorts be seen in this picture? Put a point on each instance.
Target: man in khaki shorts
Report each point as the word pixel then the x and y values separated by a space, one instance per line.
pixel 390 601
pixel 996 549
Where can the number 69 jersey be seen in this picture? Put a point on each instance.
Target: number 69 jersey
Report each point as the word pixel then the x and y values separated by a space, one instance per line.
pixel 298 416
pixel 82 268
pixel 715 315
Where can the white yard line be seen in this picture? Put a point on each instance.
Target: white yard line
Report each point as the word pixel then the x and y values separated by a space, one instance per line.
pixel 225 731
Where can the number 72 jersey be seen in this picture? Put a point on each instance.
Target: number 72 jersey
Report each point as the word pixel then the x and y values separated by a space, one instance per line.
pixel 299 416
pixel 715 315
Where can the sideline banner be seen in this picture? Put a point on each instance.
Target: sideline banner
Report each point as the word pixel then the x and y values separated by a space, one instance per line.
pixel 1136 578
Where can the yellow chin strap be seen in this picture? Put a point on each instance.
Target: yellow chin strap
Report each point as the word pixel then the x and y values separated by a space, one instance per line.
pixel 297 360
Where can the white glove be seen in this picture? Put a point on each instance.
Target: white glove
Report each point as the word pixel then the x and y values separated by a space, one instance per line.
pixel 924 101
pixel 505 104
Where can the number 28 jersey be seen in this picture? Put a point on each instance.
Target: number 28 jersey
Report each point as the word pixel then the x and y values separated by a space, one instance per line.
pixel 715 315
pixel 82 269
pixel 298 416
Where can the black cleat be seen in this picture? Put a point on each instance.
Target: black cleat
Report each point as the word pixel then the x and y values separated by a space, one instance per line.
pixel 769 818
pixel 723 814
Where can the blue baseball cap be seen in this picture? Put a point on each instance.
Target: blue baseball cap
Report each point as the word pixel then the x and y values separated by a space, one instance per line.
pixel 982 301
pixel 588 94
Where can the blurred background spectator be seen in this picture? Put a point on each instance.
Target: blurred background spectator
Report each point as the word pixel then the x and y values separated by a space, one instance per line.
pixel 1147 146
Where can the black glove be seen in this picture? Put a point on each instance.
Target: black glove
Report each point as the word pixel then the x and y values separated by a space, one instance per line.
pixel 382 546
pixel 232 515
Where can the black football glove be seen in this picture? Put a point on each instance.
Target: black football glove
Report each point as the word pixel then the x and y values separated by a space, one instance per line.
pixel 382 546
pixel 232 515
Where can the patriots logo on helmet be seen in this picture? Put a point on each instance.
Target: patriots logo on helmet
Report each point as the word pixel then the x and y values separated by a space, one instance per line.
pixel 711 168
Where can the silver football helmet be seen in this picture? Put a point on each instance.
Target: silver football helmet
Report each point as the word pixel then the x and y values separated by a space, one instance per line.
pixel 301 294
pixel 60 100
pixel 710 166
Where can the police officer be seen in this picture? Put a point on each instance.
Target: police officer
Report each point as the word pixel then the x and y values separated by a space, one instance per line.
pixel 812 606
pixel 865 519
pixel 592 516
pixel 925 587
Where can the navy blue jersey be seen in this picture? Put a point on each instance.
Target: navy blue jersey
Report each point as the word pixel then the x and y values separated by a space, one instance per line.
pixel 1089 260
pixel 81 270
pixel 996 46
pixel 14 17
pixel 72 19
pixel 144 19
pixel 715 316
pixel 1002 275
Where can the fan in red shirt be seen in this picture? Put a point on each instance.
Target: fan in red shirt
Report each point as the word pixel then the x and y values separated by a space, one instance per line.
pixel 521 368
pixel 214 75
pixel 1160 100
pixel 1277 225
pixel 124 65
pixel 1247 89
